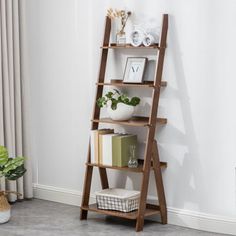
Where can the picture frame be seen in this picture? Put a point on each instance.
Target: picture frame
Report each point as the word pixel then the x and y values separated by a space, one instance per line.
pixel 134 69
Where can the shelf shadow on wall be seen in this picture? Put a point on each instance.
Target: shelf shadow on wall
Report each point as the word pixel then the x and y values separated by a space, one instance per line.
pixel 183 179
pixel 187 181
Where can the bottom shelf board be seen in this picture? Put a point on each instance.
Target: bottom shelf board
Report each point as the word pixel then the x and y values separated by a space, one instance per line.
pixel 150 210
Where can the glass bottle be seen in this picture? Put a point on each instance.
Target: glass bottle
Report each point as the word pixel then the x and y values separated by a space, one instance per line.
pixel 121 38
pixel 133 162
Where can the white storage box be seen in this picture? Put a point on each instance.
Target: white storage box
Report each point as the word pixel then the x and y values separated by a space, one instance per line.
pixel 118 199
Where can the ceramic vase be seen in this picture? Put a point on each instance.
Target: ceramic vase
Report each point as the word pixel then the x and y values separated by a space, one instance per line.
pixel 5 209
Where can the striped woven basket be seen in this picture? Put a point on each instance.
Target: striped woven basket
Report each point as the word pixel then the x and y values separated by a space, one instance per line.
pixel 5 208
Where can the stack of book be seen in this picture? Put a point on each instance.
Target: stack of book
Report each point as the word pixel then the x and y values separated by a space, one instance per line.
pixel 109 148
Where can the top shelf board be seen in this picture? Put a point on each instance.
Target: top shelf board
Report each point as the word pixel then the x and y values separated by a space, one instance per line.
pixel 129 46
pixel 141 85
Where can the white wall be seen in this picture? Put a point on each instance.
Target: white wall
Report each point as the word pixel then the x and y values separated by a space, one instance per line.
pixel 198 142
pixel 61 90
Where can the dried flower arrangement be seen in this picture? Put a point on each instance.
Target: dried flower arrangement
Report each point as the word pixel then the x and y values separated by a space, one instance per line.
pixel 122 14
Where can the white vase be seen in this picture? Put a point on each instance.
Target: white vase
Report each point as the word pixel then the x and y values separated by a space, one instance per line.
pixel 5 208
pixel 122 112
pixel 5 216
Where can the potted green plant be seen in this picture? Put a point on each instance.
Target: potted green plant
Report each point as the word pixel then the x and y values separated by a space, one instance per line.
pixel 11 169
pixel 119 106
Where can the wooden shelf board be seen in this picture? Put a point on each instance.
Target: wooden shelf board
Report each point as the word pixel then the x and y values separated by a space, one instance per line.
pixel 126 168
pixel 143 85
pixel 139 121
pixel 150 210
pixel 129 46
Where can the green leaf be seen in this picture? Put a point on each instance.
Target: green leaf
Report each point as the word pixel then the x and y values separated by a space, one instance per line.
pixel 113 104
pixel 13 163
pixel 109 95
pixel 101 101
pixel 126 101
pixel 3 156
pixel 134 101
pixel 123 97
pixel 16 173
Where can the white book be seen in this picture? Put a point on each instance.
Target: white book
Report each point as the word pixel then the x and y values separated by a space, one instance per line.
pixel 92 145
pixel 107 149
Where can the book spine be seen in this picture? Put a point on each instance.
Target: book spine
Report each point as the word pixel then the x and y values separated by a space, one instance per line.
pixel 92 146
pixel 116 150
pixel 96 147
pixel 100 148
pixel 100 138
pixel 107 150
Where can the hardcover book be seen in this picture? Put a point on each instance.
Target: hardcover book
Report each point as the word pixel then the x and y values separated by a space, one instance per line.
pixel 121 149
pixel 107 149
pixel 100 143
pixel 94 143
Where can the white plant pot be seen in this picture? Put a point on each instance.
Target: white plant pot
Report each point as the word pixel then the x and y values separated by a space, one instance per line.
pixel 122 112
pixel 5 208
pixel 5 216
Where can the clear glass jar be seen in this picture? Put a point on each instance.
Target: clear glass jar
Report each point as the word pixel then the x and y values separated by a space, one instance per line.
pixel 133 161
pixel 121 38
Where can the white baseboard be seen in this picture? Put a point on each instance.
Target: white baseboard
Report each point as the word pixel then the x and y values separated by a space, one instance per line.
pixel 190 219
pixel 62 195
pixel 201 221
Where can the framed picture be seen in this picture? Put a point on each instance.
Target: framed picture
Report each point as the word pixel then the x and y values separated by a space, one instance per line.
pixel 134 69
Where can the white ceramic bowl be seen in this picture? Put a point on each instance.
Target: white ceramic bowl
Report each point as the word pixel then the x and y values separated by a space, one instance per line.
pixel 122 112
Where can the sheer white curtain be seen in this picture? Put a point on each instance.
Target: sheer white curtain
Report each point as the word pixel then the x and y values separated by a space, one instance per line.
pixel 14 99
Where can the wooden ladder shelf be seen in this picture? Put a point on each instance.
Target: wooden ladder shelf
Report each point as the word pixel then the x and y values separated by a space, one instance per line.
pixel 151 158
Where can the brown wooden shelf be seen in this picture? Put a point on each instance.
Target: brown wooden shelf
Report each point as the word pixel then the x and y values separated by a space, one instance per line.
pixel 138 121
pixel 126 168
pixel 150 210
pixel 129 46
pixel 151 155
pixel 143 85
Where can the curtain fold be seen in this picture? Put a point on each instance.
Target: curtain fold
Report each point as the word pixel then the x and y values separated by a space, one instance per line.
pixel 14 94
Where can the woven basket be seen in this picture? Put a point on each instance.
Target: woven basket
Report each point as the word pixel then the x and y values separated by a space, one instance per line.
pixel 5 208
pixel 118 199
